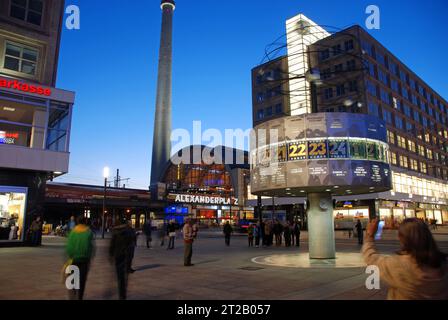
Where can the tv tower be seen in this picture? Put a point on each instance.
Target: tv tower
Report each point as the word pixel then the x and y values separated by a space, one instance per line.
pixel 161 149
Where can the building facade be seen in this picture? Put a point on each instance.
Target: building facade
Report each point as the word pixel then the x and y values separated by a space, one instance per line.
pixel 35 116
pixel 359 75
pixel 205 184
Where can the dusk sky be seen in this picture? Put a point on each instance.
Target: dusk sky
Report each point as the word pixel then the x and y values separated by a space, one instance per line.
pixel 111 64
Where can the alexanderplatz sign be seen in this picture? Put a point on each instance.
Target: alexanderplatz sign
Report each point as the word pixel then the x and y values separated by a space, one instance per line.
pixel 320 155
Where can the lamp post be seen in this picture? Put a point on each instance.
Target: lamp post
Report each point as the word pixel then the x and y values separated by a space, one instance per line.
pixel 106 172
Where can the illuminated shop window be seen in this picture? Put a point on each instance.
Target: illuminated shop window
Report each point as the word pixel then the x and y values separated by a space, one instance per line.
pixel 12 212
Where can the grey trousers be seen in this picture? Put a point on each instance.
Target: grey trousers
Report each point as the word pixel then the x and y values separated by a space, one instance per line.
pixel 188 252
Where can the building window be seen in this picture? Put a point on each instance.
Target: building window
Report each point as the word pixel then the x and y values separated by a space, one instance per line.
pixel 326 74
pixel 416 116
pixel 380 58
pixel 411 146
pixel 390 137
pixel 325 54
pixel 409 127
pixel 371 69
pixel 20 58
pixel 328 93
pixel 423 167
pixel 338 68
pixel 429 154
pixel 348 45
pixel 278 108
pixel 394 68
pixel 404 93
pixel 268 111
pixel 402 76
pixel 407 110
pixel 367 48
pixel 394 85
pixel 412 84
pixel 396 103
pixel 387 116
pixel 403 161
pixel 351 65
pixel 414 164
pixel 371 88
pixel 421 150
pixel 399 123
pixel 382 76
pixel 393 158
pixel 373 108
pixel 27 10
pixel 340 90
pixel 260 114
pixel 401 141
pixel 353 86
pixel 385 96
pixel 260 97
pixel 337 50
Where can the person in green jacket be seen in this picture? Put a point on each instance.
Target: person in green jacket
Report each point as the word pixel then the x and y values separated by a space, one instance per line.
pixel 80 251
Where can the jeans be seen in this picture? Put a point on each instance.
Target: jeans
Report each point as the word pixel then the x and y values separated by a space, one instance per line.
pixel 257 241
pixel 188 252
pixel 171 243
pixel 148 241
pixel 227 239
pixel 122 276
pixel 83 266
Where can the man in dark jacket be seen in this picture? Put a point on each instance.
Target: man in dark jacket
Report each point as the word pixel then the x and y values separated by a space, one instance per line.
pixel 297 233
pixel 360 232
pixel 119 253
pixel 147 230
pixel 227 232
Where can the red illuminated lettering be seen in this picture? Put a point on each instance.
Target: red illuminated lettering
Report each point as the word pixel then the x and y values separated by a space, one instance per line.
pixel 20 86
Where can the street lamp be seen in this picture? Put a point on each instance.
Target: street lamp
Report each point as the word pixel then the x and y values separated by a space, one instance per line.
pixel 106 172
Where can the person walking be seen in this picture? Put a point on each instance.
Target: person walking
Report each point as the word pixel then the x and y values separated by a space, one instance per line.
pixel 250 234
pixel 297 233
pixel 119 255
pixel 360 232
pixel 147 230
pixel 162 233
pixel 171 230
pixel 257 233
pixel 80 251
pixel 131 250
pixel 287 235
pixel 291 232
pixel 189 234
pixel 71 224
pixel 419 271
pixel 227 232
pixel 36 231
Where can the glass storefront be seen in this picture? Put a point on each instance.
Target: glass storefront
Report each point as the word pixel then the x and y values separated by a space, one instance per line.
pixel 345 218
pixel 12 213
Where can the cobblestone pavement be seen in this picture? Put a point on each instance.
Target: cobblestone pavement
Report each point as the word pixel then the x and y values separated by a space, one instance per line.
pixel 220 272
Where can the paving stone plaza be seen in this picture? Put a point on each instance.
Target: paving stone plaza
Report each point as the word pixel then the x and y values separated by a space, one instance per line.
pixel 220 273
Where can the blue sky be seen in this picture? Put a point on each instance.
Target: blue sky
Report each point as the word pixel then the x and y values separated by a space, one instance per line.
pixel 111 64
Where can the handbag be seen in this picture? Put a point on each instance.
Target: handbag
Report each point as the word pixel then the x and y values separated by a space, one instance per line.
pixel 172 234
